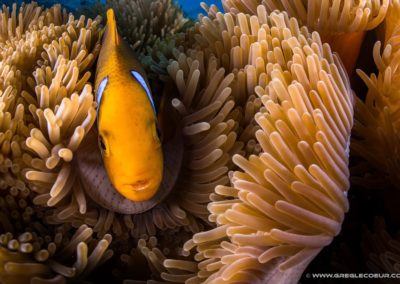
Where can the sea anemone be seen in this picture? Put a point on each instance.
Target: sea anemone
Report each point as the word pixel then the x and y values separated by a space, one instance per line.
pixel 376 132
pixel 143 22
pixel 263 111
pixel 51 117
pixel 327 16
pixel 289 201
pixel 340 23
pixel 381 250
pixel 56 111
pixel 31 258
pixel 151 28
pixel 46 109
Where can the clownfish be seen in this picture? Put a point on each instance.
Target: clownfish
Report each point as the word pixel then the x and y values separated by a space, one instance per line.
pixel 129 139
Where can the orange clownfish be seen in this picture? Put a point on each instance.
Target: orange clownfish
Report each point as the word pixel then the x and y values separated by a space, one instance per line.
pixel 126 118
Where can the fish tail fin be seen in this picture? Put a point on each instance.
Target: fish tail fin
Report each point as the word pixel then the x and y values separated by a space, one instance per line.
pixel 111 28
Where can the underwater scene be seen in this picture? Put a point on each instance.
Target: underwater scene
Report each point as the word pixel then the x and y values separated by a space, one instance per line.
pixel 232 141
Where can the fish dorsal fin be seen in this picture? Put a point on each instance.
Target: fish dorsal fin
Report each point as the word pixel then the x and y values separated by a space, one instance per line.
pixel 111 28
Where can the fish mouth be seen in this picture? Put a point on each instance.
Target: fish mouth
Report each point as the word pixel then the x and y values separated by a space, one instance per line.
pixel 140 185
pixel 140 190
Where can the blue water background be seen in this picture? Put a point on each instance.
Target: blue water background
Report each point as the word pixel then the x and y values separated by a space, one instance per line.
pixel 191 8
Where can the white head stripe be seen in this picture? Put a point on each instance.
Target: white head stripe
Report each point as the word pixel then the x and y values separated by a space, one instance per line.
pixel 100 91
pixel 143 83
